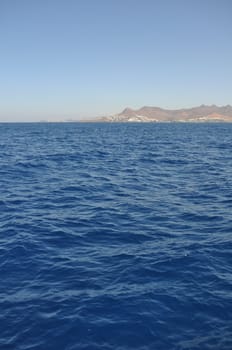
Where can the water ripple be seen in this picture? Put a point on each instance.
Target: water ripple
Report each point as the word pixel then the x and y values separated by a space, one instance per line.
pixel 116 236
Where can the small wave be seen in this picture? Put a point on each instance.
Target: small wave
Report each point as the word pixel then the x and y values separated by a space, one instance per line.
pixel 115 237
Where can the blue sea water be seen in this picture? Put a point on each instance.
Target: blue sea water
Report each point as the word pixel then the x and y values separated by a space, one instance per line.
pixel 115 236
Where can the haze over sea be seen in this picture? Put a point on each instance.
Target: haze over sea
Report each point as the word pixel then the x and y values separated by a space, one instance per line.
pixel 116 236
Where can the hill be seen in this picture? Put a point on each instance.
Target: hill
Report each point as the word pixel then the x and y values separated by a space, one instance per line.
pixel 201 113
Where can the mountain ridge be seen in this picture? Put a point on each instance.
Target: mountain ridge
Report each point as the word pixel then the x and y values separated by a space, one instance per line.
pixel 202 113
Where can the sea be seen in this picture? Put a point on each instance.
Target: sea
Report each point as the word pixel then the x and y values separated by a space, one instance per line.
pixel 116 236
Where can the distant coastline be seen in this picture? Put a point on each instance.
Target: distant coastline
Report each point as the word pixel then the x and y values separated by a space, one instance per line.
pixel 147 114
pixel 203 113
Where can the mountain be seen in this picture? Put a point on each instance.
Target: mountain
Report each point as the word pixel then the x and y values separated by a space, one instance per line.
pixel 202 113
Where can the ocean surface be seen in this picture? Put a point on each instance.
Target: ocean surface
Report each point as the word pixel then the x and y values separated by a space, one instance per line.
pixel 115 236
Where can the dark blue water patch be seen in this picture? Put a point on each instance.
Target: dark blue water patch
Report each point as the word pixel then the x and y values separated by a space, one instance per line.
pixel 116 236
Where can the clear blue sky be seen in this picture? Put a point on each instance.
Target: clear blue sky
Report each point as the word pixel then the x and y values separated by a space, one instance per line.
pixel 71 58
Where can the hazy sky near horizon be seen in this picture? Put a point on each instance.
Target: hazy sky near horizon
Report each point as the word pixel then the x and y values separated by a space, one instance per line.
pixel 64 59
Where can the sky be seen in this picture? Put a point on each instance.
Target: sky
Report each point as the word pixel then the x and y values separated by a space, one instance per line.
pixel 71 59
